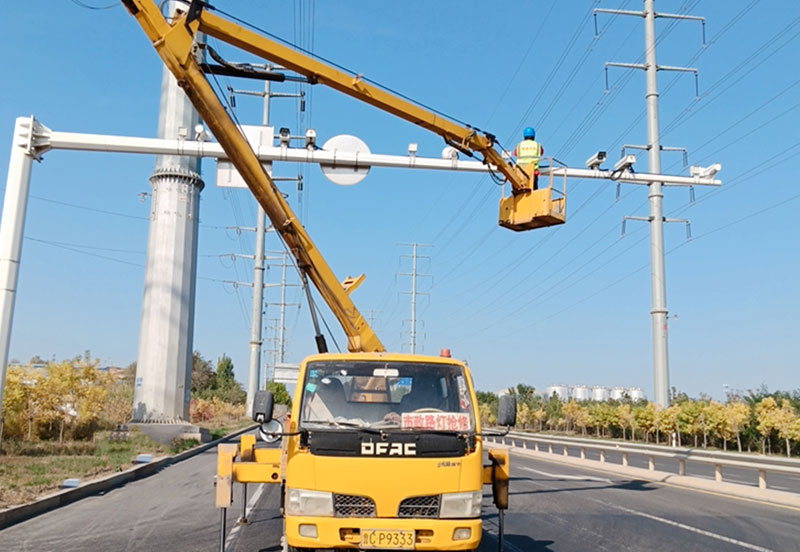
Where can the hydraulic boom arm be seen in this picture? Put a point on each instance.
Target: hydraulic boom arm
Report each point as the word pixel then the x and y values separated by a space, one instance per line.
pixel 174 44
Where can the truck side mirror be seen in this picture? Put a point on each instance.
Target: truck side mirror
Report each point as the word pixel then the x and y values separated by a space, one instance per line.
pixel 262 407
pixel 507 411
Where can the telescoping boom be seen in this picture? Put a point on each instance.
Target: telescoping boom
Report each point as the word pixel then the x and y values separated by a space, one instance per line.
pixel 175 44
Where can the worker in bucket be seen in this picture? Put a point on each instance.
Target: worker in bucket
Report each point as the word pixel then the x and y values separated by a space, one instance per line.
pixel 528 153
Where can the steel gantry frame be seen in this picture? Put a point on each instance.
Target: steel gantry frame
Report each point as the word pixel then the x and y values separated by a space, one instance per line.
pixel 31 139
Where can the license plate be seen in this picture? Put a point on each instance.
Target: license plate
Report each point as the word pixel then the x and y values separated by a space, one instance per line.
pixel 387 539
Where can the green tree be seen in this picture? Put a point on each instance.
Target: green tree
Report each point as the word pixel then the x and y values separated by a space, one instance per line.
pixel 602 416
pixel 525 394
pixel 716 422
pixel 553 410
pixel 539 415
pixel 488 398
pixel 224 371
pixel 644 417
pixel 765 418
pixel 737 415
pixel 227 388
pixel 524 415
pixel 794 430
pixel 570 413
pixel 203 377
pixel 279 393
pixel 624 418
pixel 16 401
pixel 487 417
pixel 689 418
pixel 582 418
pixel 783 420
pixel 668 421
pixel 57 396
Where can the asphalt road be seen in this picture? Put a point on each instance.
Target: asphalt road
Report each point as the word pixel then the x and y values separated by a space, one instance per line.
pixel 553 507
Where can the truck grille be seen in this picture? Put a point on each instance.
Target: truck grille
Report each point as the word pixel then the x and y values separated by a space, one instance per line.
pixel 419 507
pixel 353 506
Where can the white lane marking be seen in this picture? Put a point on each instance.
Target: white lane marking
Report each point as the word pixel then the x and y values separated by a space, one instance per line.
pixel 231 538
pixel 659 519
pixel 685 527
pixel 570 477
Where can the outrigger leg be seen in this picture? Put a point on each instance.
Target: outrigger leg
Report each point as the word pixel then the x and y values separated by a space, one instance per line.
pixel 501 529
pixel 222 531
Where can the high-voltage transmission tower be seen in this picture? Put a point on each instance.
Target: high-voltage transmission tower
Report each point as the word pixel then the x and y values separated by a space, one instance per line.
pixel 414 274
pixel 658 296
pixel 279 339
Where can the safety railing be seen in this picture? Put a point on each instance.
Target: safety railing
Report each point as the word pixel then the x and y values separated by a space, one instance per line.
pixel 762 465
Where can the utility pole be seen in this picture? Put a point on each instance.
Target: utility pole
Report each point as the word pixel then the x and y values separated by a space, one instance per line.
pixel 256 324
pixel 658 288
pixel 282 327
pixel 658 295
pixel 414 275
pixel 254 365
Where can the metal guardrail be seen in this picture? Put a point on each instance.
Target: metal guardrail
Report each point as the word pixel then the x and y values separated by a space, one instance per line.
pixel 545 444
pixel 710 453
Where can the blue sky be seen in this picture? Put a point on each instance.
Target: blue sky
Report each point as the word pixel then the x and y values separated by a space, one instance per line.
pixel 561 305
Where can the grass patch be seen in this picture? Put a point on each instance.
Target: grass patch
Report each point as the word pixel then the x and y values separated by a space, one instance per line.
pixel 179 445
pixel 36 469
pixel 29 470
pixel 218 431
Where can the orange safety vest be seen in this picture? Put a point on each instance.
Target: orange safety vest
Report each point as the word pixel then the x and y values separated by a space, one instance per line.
pixel 529 152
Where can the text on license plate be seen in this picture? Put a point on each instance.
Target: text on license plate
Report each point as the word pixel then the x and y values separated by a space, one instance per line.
pixel 392 539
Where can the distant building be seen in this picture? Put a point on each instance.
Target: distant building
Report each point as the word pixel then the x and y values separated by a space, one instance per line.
pixel 561 391
pixel 600 393
pixel 636 393
pixel 594 393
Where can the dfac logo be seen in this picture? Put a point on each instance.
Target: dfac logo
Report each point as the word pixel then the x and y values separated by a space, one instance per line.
pixel 388 449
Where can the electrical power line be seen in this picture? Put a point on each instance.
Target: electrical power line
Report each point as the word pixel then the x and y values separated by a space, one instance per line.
pixel 86 6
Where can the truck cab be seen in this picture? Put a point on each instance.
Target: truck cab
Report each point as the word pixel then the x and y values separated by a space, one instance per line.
pixel 382 451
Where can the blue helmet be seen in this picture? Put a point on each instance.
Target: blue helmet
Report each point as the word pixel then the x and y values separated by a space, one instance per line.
pixel 529 132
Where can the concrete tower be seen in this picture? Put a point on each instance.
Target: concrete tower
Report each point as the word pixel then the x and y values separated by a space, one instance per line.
pixel 164 361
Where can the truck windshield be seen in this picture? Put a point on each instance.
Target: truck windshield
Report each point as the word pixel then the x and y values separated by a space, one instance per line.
pixel 404 395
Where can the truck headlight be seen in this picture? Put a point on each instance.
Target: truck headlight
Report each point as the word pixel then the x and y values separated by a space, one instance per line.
pixel 461 505
pixel 301 502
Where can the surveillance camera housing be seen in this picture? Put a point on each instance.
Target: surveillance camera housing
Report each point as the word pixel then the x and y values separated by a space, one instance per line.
pixel 450 153
pixel 705 172
pixel 625 163
pixel 311 137
pixel 412 148
pixel 284 136
pixel 596 160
